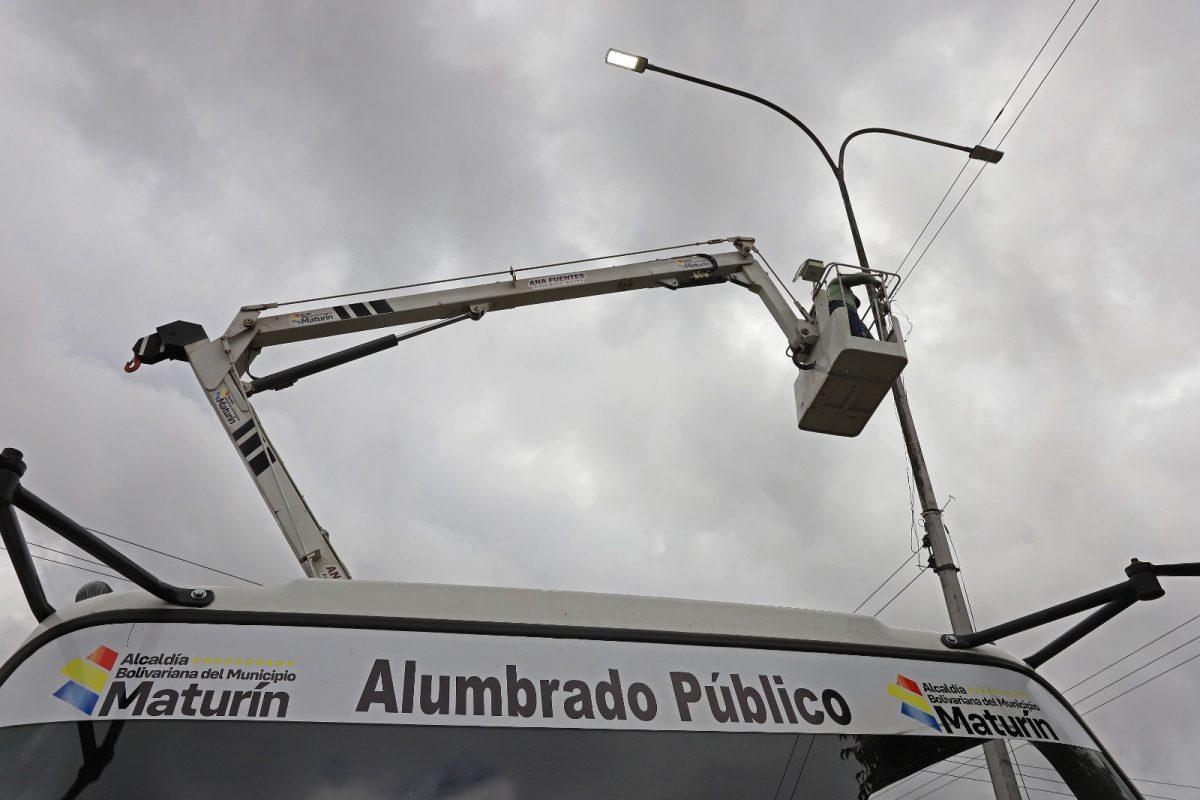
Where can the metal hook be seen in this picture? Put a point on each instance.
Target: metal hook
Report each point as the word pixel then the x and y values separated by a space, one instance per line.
pixel 132 365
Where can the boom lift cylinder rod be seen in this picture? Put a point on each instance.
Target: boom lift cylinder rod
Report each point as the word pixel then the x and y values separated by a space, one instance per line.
pixel 287 377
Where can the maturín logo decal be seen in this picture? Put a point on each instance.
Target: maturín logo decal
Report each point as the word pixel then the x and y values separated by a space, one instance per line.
pixel 963 710
pixel 88 677
pixel 313 317
pixel 912 702
pixel 173 684
pixel 223 399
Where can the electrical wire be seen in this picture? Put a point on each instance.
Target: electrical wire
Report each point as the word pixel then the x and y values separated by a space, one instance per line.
pixel 968 762
pixel 907 321
pixel 1133 671
pixel 1006 133
pixel 914 544
pixel 954 779
pixel 966 775
pixel 986 780
pixel 1167 783
pixel 897 785
pixel 973 762
pixel 949 775
pixel 928 222
pixel 68 555
pixel 1012 754
pixel 1131 653
pixel 885 580
pixel 937 232
pixel 1037 88
pixel 509 271
pixel 177 558
pixel 995 119
pixel 902 591
pixel 1139 685
pixel 75 566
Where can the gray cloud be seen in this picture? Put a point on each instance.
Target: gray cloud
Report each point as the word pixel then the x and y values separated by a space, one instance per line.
pixel 177 161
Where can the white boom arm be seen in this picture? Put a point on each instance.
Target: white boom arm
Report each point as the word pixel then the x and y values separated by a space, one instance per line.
pixel 220 364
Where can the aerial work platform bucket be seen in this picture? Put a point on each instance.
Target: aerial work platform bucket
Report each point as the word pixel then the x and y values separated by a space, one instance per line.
pixel 850 375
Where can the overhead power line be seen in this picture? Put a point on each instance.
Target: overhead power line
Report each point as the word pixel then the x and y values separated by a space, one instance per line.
pixel 1143 683
pixel 1013 754
pixel 875 591
pixel 65 553
pixel 1134 671
pixel 970 759
pixel 1133 652
pixel 1028 790
pixel 995 119
pixel 74 566
pixel 177 558
pixel 902 591
pixel 134 544
pixel 1005 136
pixel 972 762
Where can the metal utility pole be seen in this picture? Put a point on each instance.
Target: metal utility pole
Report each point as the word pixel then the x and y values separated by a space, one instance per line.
pixel 1000 767
pixel 1004 781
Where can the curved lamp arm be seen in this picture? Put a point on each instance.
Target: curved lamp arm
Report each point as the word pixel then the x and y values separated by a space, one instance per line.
pixel 978 152
pixel 755 98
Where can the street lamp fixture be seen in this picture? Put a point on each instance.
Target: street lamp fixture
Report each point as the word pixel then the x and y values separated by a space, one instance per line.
pixel 981 153
pixel 635 63
pixel 629 61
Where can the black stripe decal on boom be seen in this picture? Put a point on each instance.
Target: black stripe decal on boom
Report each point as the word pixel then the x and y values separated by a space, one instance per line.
pixel 259 463
pixel 242 431
pixel 341 312
pixel 359 310
pixel 381 306
pixel 250 445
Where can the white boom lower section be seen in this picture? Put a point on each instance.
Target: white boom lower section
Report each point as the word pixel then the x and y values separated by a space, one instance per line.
pixel 225 393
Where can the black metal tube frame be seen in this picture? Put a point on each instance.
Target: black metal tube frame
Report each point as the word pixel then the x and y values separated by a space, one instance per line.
pixel 1141 584
pixel 14 496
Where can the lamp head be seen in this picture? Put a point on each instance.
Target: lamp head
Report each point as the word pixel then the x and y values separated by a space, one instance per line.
pixel 980 153
pixel 629 61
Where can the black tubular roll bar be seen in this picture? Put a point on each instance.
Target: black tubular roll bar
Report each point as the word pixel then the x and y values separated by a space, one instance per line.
pixel 1141 584
pixel 14 496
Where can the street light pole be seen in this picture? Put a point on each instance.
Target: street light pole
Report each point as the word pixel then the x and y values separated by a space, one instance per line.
pixel 941 560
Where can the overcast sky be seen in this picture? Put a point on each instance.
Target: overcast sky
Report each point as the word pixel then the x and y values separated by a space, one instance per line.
pixel 176 161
